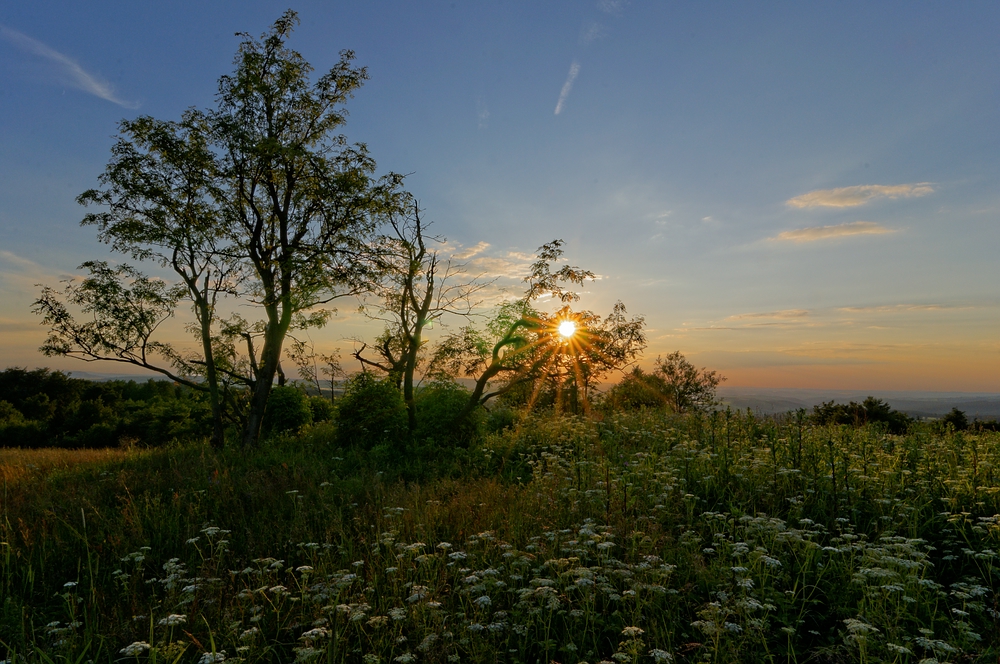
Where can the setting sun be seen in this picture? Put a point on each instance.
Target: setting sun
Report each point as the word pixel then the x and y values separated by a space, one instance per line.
pixel 567 328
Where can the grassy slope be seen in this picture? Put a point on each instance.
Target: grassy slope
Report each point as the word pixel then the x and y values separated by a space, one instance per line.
pixel 568 540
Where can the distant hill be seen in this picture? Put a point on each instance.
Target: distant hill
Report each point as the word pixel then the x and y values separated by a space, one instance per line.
pixel 98 377
pixel 976 405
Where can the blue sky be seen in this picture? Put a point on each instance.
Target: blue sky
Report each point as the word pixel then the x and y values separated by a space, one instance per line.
pixel 795 194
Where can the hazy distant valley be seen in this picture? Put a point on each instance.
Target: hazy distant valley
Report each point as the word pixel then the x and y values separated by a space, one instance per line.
pixel 976 405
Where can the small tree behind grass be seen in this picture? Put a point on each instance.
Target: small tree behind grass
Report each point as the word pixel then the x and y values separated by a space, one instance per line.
pixel 957 419
pixel 675 384
pixel 869 411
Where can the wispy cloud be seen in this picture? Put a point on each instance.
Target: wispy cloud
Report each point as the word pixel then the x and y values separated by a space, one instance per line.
pixel 816 233
pixel 22 264
pixel 754 359
pixel 847 349
pixel 70 71
pixel 858 195
pixel 469 252
pixel 511 266
pixel 784 314
pixel 900 308
pixel 567 87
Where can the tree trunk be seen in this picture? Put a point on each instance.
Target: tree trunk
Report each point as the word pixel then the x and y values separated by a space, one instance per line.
pixel 211 376
pixel 408 371
pixel 270 356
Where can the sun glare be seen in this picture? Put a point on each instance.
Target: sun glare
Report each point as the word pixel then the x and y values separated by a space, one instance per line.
pixel 567 329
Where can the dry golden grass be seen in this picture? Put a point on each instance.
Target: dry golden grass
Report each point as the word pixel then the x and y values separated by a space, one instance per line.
pixel 18 464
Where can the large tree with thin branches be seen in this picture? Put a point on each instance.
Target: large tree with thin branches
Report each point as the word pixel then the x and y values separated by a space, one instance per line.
pixel 259 199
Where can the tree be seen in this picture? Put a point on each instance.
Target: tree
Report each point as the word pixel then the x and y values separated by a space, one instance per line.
pixel 674 383
pixel 258 199
pixel 684 386
pixel 957 419
pixel 313 365
pixel 869 411
pixel 522 345
pixel 159 193
pixel 418 289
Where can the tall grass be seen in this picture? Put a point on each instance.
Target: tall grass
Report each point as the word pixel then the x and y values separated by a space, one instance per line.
pixel 642 537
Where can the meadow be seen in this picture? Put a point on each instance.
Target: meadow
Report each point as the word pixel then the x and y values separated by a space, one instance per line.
pixel 640 537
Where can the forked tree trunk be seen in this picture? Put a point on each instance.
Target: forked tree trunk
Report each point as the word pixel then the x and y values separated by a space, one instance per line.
pixel 270 356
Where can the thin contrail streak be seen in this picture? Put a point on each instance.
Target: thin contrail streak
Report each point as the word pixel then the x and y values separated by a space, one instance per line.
pixel 76 75
pixel 574 69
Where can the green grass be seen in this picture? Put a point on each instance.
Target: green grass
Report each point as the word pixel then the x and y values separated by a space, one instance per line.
pixel 639 538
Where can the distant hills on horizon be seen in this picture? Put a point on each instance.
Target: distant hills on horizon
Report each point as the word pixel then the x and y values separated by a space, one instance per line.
pixel 768 401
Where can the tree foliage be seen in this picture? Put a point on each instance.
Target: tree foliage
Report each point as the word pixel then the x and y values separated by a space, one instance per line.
pixel 42 408
pixel 259 199
pixel 869 411
pixel 674 383
pixel 418 288
pixel 521 348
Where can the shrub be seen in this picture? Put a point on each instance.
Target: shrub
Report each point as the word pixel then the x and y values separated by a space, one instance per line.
pixel 322 409
pixel 370 413
pixel 439 415
pixel 501 419
pixel 637 390
pixel 287 411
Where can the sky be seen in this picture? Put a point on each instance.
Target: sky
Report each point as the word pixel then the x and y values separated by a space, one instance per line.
pixel 794 194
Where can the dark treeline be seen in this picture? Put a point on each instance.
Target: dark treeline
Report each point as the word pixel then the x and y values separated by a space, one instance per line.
pixel 43 408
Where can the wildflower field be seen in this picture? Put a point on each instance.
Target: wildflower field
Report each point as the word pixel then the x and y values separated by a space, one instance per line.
pixel 640 538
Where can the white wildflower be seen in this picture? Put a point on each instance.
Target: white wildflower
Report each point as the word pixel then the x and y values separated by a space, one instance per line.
pixel 306 654
pixel 315 634
pixel 135 649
